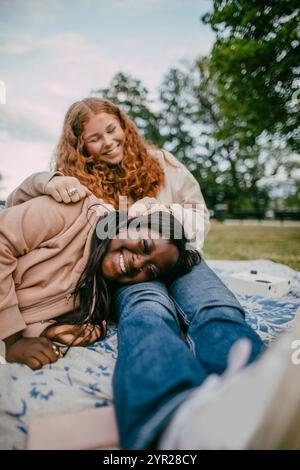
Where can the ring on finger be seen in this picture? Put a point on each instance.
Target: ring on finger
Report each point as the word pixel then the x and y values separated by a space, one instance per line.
pixel 72 191
pixel 55 349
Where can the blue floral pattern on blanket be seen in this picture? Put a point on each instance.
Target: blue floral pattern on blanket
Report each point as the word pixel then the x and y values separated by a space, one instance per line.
pixel 267 316
pixel 82 379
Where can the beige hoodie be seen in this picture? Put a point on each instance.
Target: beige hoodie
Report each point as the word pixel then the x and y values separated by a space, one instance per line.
pixel 181 193
pixel 44 247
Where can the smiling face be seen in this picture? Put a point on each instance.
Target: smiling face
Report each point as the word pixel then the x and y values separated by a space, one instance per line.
pixel 104 138
pixel 133 257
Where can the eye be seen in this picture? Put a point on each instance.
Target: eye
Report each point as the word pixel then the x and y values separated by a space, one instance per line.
pixel 145 246
pixel 110 131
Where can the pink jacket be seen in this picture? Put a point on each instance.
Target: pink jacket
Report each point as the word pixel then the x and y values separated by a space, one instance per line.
pixel 44 247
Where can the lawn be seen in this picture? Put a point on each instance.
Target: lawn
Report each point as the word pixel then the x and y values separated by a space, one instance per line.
pixel 279 244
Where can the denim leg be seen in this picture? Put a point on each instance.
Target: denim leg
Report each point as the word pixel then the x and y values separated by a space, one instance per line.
pixel 213 317
pixel 155 370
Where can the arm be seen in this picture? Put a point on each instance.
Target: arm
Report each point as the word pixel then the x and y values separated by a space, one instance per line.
pixel 188 204
pixel 22 229
pixel 186 201
pixel 190 209
pixel 31 187
pixel 53 184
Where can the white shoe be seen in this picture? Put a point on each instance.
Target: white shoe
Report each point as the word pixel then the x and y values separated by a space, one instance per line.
pixel 255 408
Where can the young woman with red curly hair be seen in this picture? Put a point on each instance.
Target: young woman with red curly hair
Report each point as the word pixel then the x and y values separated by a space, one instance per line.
pixel 101 151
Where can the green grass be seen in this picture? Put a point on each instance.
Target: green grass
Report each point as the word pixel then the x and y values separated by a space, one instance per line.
pixel 279 244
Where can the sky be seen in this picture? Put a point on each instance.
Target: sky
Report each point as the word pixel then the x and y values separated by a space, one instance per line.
pixel 54 52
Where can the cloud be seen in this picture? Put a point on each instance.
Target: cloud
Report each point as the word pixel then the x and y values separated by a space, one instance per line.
pixel 27 122
pixel 140 4
pixel 191 51
pixel 19 160
pixel 25 44
pixel 36 12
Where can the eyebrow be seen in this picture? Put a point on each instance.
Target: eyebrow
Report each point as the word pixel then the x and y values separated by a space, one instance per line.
pixel 97 133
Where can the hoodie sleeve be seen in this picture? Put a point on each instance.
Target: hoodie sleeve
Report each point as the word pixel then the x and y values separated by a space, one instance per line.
pixel 188 204
pixel 31 187
pixel 22 229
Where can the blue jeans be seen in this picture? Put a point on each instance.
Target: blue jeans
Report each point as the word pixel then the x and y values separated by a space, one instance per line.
pixel 156 368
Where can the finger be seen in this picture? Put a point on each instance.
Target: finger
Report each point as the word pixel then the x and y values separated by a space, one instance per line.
pixel 65 338
pixel 85 336
pixel 132 214
pixel 96 332
pixel 83 191
pixel 33 363
pixel 92 334
pixel 55 194
pixel 93 330
pixel 95 336
pixel 51 353
pixel 48 349
pixel 55 330
pixel 136 212
pixel 82 339
pixel 151 211
pixel 64 195
pixel 45 357
pixel 79 341
pixel 89 337
pixel 45 342
pixel 146 212
pixel 75 197
pixel 49 332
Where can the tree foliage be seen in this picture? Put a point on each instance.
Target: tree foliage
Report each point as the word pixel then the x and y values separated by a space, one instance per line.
pixel 187 123
pixel 232 117
pixel 256 59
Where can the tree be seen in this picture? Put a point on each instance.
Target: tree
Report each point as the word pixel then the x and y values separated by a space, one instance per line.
pixel 237 168
pixel 133 98
pixel 191 122
pixel 256 60
pixel 175 116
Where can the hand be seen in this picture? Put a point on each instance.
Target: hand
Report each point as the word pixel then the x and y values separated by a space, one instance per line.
pixel 59 188
pixel 34 352
pixel 73 335
pixel 146 206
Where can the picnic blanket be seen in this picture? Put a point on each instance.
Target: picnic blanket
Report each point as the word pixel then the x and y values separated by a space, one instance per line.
pixel 82 379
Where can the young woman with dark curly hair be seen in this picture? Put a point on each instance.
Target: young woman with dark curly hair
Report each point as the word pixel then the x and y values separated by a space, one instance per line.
pixel 101 151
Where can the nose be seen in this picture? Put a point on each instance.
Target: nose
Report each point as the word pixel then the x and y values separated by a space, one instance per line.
pixel 107 144
pixel 139 262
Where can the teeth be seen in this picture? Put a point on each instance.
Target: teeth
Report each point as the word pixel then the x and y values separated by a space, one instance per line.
pixel 111 151
pixel 122 263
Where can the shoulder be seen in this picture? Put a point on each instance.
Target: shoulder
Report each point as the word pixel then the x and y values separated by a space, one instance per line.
pixel 165 157
pixel 48 205
pixel 45 212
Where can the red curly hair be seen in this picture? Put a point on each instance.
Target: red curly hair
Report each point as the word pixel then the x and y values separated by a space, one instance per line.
pixel 139 174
